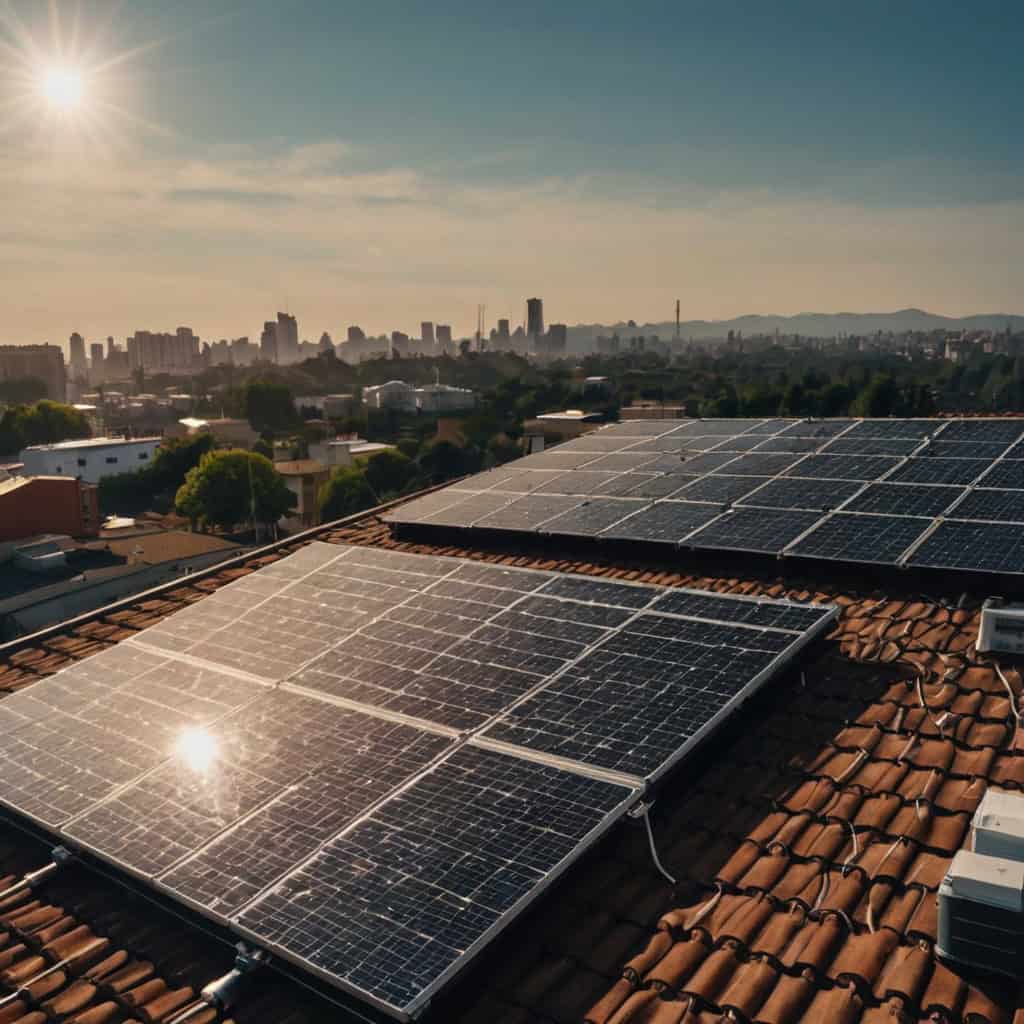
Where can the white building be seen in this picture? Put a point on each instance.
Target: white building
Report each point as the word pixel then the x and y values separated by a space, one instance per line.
pixel 90 459
pixel 344 453
pixel 444 398
pixel 395 394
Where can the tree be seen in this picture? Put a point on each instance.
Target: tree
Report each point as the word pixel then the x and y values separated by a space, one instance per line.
pixel 879 398
pixel 270 406
pixel 232 487
pixel 45 422
pixel 388 473
pixel 174 458
pixel 346 493
pixel 263 447
pixel 443 461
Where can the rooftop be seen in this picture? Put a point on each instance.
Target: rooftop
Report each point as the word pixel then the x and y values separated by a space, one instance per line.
pixel 808 841
pixel 90 442
pixel 300 467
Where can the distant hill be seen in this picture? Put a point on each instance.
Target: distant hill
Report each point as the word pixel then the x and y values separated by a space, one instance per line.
pixel 821 325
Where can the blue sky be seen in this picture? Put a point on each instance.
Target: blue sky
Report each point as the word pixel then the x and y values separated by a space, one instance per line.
pixel 389 162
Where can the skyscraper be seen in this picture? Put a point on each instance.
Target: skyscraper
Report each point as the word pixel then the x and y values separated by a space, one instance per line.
pixel 356 333
pixel 287 338
pixel 535 317
pixel 443 334
pixel 427 332
pixel 502 329
pixel 77 363
pixel 96 368
pixel 268 341
pixel 43 361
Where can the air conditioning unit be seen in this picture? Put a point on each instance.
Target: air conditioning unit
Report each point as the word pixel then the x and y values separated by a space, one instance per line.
pixel 998 825
pixel 1002 627
pixel 981 913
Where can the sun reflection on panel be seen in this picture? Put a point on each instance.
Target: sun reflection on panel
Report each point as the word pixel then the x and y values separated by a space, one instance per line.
pixel 197 748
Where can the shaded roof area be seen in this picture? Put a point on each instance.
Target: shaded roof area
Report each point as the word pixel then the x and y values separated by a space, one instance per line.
pixel 808 840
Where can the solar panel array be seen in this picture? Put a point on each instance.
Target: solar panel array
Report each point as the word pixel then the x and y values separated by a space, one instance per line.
pixel 369 762
pixel 903 492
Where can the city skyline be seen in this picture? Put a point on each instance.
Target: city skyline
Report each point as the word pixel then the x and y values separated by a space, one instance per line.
pixel 384 166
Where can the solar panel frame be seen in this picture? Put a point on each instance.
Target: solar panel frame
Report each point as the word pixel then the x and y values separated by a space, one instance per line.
pixel 990 505
pixel 928 500
pixel 971 547
pixel 594 515
pixel 801 493
pixel 1006 474
pixel 843 467
pixel 758 530
pixel 688 515
pixel 1002 430
pixel 939 471
pixel 940 448
pixel 719 489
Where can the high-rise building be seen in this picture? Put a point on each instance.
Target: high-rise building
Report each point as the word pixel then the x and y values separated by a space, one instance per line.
pixel 443 334
pixel 76 349
pixel 287 339
pixel 535 317
pixel 503 329
pixel 268 341
pixel 44 362
pixel 164 353
pixel 356 333
pixel 96 367
pixel 326 344
pixel 558 337
pixel 427 332
pixel 110 344
pixel 399 343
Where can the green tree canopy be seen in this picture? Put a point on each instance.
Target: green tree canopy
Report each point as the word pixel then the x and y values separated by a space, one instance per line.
pixel 388 473
pixel 175 457
pixel 45 422
pixel 229 487
pixel 344 494
pixel 269 406
pixel 443 460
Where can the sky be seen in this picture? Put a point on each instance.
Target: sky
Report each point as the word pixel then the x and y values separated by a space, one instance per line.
pixel 390 162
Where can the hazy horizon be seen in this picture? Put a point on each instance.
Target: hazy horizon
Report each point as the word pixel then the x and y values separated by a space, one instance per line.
pixel 385 166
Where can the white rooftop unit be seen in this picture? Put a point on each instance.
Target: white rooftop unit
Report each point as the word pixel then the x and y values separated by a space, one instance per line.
pixel 998 825
pixel 1002 627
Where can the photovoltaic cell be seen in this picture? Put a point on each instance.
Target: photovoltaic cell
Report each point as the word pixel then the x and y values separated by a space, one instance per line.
pixel 939 471
pixel 622 462
pixel 583 481
pixel 774 614
pixel 872 446
pixel 772 426
pixel 1009 473
pixel 1002 431
pixel 861 538
pixel 940 448
pixel 466 511
pixel 754 529
pixel 594 515
pixel 528 512
pixel 843 467
pixel 817 428
pixel 905 500
pixel 894 428
pixel 813 495
pixel 973 547
pixel 785 443
pixel 999 506
pixel 721 489
pixel 660 486
pixel 393 904
pixel 701 464
pixel 760 464
pixel 665 522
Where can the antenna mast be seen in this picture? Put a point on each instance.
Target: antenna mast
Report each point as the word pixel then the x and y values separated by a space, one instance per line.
pixel 677 319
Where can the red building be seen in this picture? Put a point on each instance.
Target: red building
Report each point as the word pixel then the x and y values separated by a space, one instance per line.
pixel 31 505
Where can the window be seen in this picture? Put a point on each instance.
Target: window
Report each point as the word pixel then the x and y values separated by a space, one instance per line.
pixel 60 469
pixel 111 460
pixel 82 462
pixel 143 455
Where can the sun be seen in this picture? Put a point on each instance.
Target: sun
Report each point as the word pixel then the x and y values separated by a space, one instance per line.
pixel 63 88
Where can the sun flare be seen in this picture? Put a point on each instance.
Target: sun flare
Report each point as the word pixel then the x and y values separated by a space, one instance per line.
pixel 62 88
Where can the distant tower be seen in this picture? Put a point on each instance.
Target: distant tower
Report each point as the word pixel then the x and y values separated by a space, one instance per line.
pixel 427 333
pixel 535 317
pixel 76 347
pixel 677 319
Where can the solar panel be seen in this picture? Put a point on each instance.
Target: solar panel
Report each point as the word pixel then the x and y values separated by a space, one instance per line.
pixel 621 462
pixel 593 516
pixel 871 446
pixel 467 510
pixel 650 485
pixel 843 467
pixel 784 443
pixel 999 506
pixel 754 529
pixel 1003 431
pixel 652 687
pixel 523 481
pixel 243 793
pixel 787 492
pixel 854 537
pixel 771 426
pixel 583 481
pixel 725 426
pixel 972 547
pixel 528 512
pixel 1007 473
pixel 939 471
pixel 817 428
pixel 760 464
pixel 665 522
pixel 392 907
pixel 743 443
pixel 940 448
pixel 721 489
pixel 621 484
pixel 646 428
pixel 554 459
pixel 894 428
pixel 701 464
pixel 905 500
pixel 678 442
